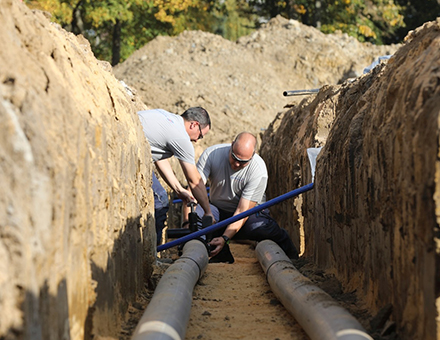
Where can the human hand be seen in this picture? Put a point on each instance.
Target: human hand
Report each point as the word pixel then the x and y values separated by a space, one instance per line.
pixel 212 217
pixel 186 196
pixel 219 243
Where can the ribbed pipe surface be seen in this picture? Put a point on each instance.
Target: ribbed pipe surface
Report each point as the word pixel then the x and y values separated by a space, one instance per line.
pixel 319 315
pixel 167 314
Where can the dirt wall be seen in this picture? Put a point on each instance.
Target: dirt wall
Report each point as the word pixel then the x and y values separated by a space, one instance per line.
pixel 373 215
pixel 76 233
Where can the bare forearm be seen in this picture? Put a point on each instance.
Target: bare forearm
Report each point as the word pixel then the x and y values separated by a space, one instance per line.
pixel 199 192
pixel 234 228
pixel 197 186
pixel 243 206
pixel 167 173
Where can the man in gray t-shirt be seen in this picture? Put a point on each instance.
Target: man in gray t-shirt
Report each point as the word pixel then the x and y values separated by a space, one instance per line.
pixel 229 185
pixel 238 179
pixel 171 135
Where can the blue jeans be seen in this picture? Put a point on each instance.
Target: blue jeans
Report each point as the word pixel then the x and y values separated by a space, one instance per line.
pixel 161 206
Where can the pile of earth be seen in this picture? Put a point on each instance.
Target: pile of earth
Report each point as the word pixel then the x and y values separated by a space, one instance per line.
pixel 241 83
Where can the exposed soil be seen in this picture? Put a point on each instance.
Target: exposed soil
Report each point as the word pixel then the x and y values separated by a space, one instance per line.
pixel 241 85
pixel 235 301
pixel 72 183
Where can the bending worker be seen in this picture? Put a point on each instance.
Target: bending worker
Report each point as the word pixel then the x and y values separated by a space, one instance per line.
pixel 171 135
pixel 238 179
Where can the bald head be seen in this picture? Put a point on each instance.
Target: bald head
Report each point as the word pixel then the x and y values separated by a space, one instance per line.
pixel 244 144
pixel 242 150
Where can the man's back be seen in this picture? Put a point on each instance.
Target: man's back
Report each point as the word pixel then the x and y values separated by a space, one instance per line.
pixel 166 134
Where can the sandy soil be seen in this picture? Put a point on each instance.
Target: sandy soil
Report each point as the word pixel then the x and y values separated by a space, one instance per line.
pixel 234 301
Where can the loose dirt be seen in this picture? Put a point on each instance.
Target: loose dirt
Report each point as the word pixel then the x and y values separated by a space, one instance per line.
pixel 241 83
pixel 235 301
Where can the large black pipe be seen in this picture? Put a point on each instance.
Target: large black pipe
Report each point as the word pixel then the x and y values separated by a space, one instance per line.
pixel 318 314
pixel 167 314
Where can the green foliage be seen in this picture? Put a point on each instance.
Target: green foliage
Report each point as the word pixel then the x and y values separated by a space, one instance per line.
pixel 116 28
pixel 133 22
pixel 351 17
pixel 61 11
pixel 137 28
pixel 416 13
pixel 366 20
pixel 233 19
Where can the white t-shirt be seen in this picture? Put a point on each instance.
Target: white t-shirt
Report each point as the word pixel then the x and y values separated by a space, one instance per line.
pixel 167 136
pixel 228 186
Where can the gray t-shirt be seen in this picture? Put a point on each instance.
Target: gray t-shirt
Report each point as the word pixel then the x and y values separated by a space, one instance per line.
pixel 167 136
pixel 227 185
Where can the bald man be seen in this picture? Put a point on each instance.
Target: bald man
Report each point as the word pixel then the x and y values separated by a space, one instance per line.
pixel 238 179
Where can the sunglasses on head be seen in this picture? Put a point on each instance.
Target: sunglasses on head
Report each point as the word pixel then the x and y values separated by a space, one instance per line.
pixel 239 160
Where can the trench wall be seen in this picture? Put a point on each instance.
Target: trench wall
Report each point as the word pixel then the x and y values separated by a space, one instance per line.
pixel 373 215
pixel 76 207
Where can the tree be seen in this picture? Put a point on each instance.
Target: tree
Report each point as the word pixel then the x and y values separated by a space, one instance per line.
pixel 415 13
pixel 116 28
pixel 367 20
pixel 233 19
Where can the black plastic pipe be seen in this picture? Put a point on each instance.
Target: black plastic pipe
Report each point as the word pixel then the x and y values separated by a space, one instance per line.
pixel 167 314
pixel 319 315
pixel 178 232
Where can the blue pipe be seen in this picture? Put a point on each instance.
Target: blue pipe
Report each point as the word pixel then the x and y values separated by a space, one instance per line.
pixel 235 218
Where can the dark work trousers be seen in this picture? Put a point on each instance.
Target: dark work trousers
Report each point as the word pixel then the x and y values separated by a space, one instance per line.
pixel 261 226
pixel 258 227
pixel 161 206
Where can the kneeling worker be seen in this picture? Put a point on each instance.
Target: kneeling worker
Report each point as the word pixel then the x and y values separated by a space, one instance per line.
pixel 238 179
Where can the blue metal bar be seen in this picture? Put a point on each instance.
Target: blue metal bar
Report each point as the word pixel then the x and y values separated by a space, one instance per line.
pixel 235 218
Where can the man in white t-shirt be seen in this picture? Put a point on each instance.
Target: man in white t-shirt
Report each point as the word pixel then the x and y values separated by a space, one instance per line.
pixel 171 135
pixel 238 179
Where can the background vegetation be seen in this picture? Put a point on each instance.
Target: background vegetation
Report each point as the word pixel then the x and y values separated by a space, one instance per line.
pixel 116 28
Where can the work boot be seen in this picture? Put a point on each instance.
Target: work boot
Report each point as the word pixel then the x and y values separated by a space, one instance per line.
pixel 225 256
pixel 292 254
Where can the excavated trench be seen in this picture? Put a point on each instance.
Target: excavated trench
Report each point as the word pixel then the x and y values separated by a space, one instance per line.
pixel 236 301
pixel 262 295
pixel 77 226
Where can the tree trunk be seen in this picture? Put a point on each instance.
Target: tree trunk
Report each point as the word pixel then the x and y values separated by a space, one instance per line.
pixel 116 46
pixel 77 26
pixel 317 18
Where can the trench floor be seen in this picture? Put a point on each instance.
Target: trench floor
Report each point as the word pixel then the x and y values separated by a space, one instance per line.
pixel 234 301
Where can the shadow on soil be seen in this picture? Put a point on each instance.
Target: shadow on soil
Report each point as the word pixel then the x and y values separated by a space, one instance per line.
pixel 117 287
